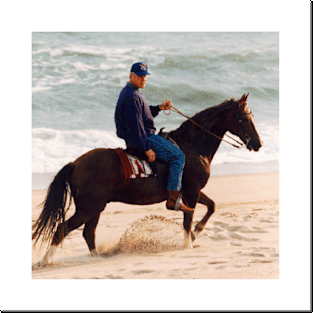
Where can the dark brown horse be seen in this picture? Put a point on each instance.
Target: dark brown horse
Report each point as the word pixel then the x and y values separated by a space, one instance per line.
pixel 96 178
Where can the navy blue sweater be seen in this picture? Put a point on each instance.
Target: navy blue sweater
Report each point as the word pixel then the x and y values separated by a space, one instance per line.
pixel 134 118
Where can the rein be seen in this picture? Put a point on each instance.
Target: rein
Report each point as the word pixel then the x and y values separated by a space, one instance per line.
pixel 241 145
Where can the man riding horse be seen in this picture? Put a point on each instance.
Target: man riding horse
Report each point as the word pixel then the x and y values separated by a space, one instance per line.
pixel 134 123
pixel 96 178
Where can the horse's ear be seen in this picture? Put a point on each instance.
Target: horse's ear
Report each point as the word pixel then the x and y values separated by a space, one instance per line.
pixel 243 99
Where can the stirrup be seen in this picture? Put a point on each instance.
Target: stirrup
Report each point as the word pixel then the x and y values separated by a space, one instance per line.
pixel 177 205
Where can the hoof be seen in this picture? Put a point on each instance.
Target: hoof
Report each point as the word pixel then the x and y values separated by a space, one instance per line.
pixel 187 241
pixel 94 253
pixel 188 246
pixel 35 266
pixel 47 259
pixel 41 264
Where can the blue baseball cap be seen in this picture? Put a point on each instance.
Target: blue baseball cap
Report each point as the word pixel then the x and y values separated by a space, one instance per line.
pixel 140 69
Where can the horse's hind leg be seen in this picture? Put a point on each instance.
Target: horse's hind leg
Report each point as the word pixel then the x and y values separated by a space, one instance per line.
pixel 90 234
pixel 63 229
pixel 203 199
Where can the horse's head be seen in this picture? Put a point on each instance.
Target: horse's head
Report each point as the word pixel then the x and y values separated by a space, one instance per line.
pixel 243 125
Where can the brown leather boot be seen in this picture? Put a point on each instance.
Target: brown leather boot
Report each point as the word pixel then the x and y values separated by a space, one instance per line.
pixel 173 202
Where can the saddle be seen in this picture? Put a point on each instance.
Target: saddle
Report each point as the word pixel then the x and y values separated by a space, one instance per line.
pixel 136 163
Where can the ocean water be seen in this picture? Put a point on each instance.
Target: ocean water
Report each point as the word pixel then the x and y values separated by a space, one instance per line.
pixel 77 77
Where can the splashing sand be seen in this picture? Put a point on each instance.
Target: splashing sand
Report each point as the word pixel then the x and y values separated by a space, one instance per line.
pixel 150 234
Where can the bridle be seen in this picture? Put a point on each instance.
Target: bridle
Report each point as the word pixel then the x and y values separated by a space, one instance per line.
pixel 240 144
pixel 242 125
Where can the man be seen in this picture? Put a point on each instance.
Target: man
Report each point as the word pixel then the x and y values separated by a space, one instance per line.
pixel 134 123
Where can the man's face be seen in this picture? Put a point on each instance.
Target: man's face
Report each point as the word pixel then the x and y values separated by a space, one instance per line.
pixel 138 81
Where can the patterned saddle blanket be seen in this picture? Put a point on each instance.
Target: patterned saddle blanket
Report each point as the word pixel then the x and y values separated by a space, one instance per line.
pixel 134 167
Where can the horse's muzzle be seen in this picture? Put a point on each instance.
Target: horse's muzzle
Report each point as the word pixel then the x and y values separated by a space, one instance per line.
pixel 254 145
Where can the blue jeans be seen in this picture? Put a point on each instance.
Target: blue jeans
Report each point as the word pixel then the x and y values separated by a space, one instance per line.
pixel 175 158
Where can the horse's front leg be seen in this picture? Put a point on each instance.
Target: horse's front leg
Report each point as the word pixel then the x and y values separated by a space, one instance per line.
pixel 187 233
pixel 190 199
pixel 203 199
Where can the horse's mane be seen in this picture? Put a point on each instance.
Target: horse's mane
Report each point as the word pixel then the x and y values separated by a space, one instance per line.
pixel 206 118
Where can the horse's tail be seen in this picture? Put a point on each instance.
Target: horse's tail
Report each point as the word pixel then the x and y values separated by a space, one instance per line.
pixel 54 206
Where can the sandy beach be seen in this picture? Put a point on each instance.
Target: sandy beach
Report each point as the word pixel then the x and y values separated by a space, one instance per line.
pixel 240 240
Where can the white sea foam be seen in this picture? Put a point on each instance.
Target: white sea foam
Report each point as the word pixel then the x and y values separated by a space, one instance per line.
pixel 56 52
pixel 81 66
pixel 52 149
pixel 39 88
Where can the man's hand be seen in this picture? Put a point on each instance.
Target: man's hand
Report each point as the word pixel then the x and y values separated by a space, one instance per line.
pixel 151 155
pixel 166 105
